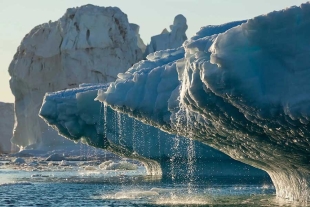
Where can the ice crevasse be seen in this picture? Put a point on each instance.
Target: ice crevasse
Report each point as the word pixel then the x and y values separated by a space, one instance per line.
pixel 244 92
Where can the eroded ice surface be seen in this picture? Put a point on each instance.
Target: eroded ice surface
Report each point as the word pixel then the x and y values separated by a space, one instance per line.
pixel 6 126
pixel 243 92
pixel 85 45
pixel 169 40
pixel 75 115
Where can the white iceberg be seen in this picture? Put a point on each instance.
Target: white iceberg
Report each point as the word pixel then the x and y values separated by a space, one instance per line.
pixel 88 44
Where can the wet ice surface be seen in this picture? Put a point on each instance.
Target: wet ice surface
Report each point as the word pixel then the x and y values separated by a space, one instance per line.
pixel 83 183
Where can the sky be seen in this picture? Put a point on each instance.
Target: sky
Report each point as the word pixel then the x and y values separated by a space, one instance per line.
pixel 18 17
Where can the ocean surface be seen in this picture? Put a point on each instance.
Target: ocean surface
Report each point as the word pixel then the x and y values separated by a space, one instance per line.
pixel 83 183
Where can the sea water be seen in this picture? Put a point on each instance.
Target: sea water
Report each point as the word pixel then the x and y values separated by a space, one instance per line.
pixel 83 183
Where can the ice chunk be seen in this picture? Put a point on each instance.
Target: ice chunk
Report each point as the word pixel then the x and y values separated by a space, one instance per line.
pixel 55 157
pixel 118 166
pixel 19 161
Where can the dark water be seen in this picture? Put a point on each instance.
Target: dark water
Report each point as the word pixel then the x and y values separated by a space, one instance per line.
pixel 75 186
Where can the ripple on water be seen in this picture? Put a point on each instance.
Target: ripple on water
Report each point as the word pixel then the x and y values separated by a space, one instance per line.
pixel 79 187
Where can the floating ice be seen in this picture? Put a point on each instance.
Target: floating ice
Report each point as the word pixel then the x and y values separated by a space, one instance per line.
pixel 85 45
pixel 33 164
pixel 105 164
pixel 55 157
pixel 90 168
pixel 64 163
pixel 243 92
pixel 18 161
pixel 121 166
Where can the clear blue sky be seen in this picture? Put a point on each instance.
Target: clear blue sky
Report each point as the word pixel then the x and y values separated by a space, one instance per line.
pixel 18 17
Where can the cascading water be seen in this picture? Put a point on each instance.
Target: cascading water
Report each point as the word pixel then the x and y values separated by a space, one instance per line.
pixel 174 157
pixel 119 128
pixel 148 136
pixel 105 130
pixel 134 135
pixel 190 154
pixel 159 145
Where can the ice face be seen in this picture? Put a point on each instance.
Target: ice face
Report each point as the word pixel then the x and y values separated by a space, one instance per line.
pixel 85 45
pixel 6 126
pixel 75 115
pixel 243 92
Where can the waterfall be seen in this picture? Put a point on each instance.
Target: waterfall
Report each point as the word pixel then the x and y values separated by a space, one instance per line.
pixel 134 135
pixel 159 145
pixel 120 129
pixel 174 156
pixel 190 153
pixel 105 133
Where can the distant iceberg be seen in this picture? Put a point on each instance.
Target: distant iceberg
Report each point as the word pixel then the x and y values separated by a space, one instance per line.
pixel 169 40
pixel 85 45
pixel 6 127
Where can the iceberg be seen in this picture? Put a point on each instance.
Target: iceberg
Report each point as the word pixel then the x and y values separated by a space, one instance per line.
pixel 243 92
pixel 169 40
pixel 6 127
pixel 76 116
pixel 86 45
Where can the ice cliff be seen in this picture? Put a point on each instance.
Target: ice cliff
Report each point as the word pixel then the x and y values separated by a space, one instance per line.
pixel 87 44
pixel 244 92
pixel 169 40
pixel 6 126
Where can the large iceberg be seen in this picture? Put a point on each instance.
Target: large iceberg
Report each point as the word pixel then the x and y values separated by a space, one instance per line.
pixel 75 115
pixel 6 127
pixel 87 44
pixel 243 92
